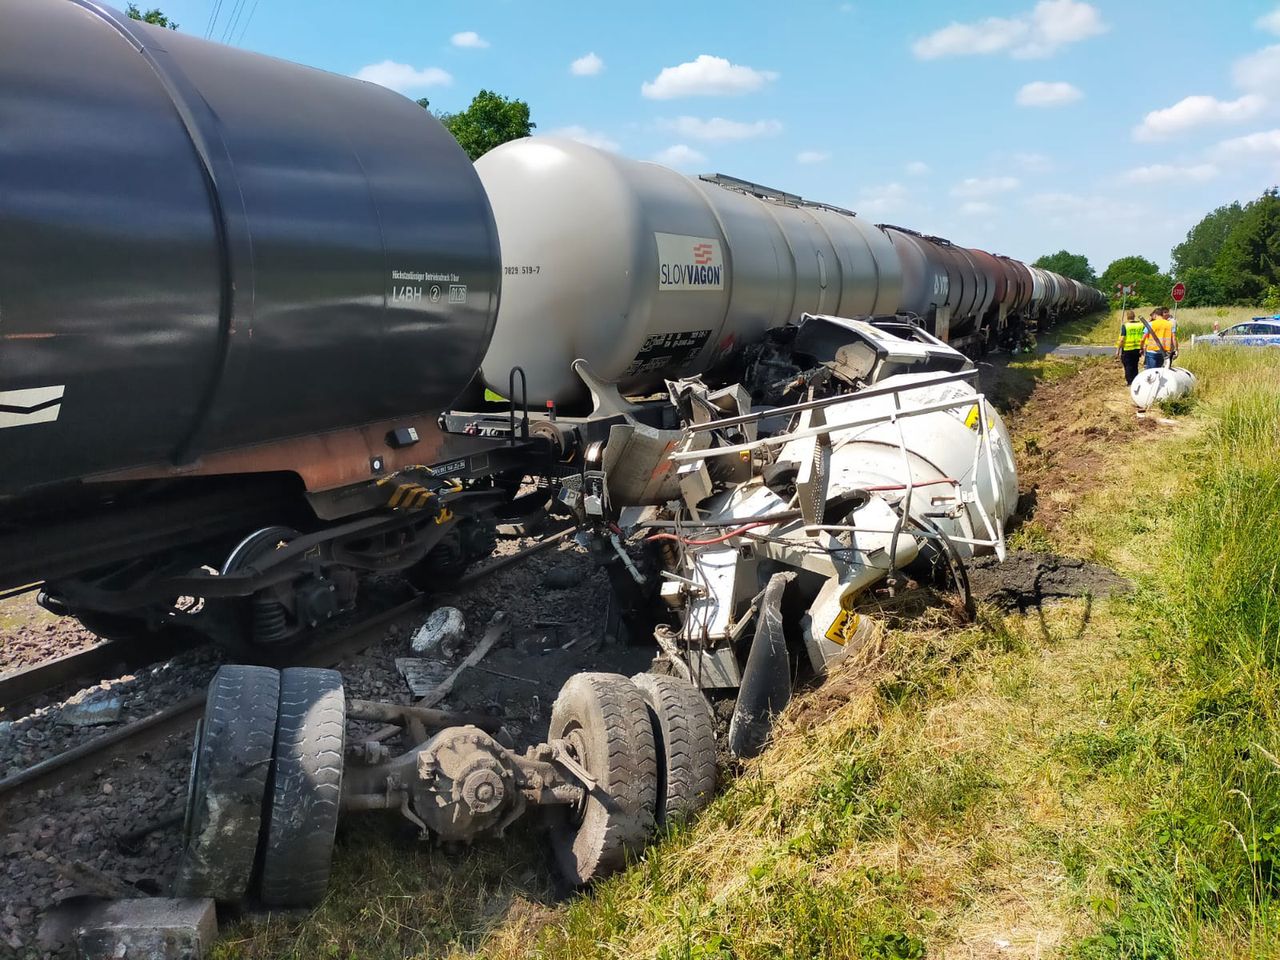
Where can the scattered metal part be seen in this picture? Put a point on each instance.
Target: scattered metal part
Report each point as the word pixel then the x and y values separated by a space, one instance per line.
pixel 421 675
pixel 91 708
pixel 506 676
pixel 497 628
pixel 443 631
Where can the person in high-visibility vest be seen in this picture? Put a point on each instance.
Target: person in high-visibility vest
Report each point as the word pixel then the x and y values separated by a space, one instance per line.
pixel 1160 341
pixel 1129 345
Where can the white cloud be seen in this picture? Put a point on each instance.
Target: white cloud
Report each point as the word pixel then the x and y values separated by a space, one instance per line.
pixel 402 77
pixel 1044 93
pixel 1171 173
pixel 973 208
pixel 1062 209
pixel 1269 22
pixel 718 128
pixel 706 76
pixel 883 199
pixel 812 156
pixel 587 65
pixel 680 156
pixel 1259 72
pixel 917 168
pixel 469 39
pixel 1039 32
pixel 592 138
pixel 1264 144
pixel 1035 162
pixel 1191 112
pixel 984 186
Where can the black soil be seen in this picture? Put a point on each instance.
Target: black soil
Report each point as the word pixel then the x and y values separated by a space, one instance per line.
pixel 1027 578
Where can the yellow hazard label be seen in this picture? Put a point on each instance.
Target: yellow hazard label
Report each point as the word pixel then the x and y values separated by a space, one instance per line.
pixel 842 627
pixel 972 420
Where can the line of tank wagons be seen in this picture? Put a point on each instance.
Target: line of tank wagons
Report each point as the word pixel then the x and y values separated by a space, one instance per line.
pixel 251 334
pixel 238 293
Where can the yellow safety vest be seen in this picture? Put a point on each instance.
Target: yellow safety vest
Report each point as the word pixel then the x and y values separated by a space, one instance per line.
pixel 1131 332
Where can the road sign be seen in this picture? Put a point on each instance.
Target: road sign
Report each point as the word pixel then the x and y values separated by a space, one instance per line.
pixel 1179 292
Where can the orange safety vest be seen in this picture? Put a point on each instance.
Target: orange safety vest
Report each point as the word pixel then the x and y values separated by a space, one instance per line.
pixel 1164 338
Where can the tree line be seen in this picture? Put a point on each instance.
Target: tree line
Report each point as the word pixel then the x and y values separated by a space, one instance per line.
pixel 1231 257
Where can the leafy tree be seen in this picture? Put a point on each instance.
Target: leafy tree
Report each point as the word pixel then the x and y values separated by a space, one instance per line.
pixel 1204 240
pixel 1073 265
pixel 1249 262
pixel 492 119
pixel 1204 289
pixel 1153 286
pixel 151 16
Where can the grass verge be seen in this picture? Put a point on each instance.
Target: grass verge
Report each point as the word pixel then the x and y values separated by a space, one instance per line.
pixel 1104 328
pixel 1092 780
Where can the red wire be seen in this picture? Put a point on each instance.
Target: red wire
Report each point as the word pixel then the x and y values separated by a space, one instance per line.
pixel 713 541
pixel 903 486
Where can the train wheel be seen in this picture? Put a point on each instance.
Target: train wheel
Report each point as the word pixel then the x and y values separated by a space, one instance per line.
pixel 228 781
pixel 684 730
pixel 269 622
pixel 603 723
pixel 306 787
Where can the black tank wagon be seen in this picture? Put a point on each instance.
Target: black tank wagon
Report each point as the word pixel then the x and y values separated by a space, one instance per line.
pixel 235 293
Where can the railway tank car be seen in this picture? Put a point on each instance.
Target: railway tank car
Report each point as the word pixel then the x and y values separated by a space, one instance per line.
pixel 648 274
pixel 235 292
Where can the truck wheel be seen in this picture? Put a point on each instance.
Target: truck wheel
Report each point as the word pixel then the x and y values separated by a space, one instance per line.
pixel 306 787
pixel 228 780
pixel 685 733
pixel 602 720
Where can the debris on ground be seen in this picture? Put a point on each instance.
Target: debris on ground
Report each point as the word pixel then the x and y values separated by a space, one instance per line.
pixel 443 633
pixel 154 927
pixel 421 675
pixel 1027 578
pixel 92 707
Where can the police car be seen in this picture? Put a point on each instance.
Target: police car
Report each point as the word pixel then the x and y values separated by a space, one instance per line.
pixel 1258 332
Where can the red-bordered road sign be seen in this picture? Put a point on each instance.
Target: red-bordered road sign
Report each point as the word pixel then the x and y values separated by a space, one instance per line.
pixel 1179 292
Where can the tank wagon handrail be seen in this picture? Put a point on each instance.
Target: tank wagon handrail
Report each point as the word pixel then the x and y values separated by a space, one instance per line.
pixel 754 189
pixel 687 456
pixel 868 392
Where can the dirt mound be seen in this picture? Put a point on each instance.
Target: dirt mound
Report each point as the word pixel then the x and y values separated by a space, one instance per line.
pixel 1027 578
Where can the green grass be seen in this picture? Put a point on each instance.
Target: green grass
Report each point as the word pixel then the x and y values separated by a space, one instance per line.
pixel 1103 328
pixel 1094 780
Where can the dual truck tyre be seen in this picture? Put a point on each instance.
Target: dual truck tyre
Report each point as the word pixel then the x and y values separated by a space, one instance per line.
pixel 266 779
pixel 649 744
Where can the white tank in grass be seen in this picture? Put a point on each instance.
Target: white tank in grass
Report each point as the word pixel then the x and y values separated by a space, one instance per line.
pixel 941 446
pixel 648 274
pixel 1160 383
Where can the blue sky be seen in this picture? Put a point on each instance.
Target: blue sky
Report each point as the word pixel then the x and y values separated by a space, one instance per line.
pixel 1023 127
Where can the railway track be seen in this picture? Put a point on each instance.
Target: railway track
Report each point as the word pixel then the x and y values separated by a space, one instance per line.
pixel 88 664
pixel 181 716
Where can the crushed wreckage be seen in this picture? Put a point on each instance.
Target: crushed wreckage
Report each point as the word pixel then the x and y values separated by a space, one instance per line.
pixel 743 537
